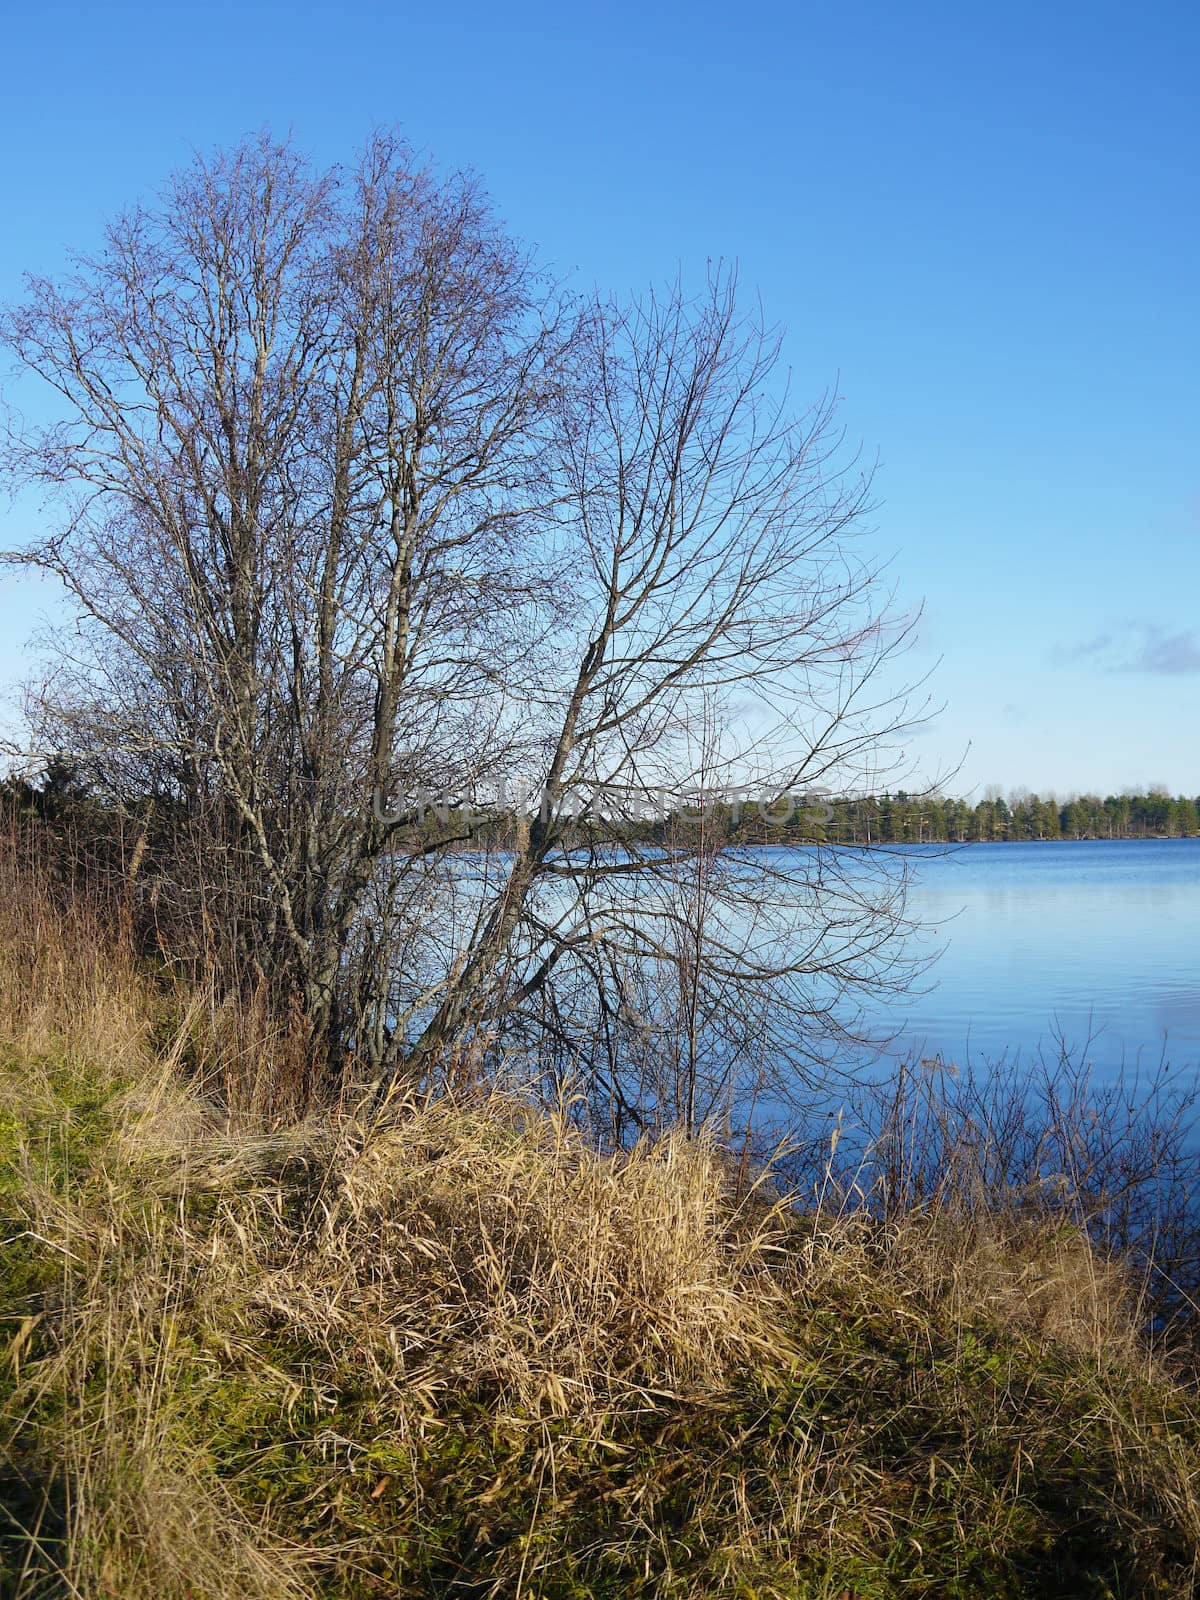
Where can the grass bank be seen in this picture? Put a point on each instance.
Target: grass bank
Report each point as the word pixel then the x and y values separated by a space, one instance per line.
pixel 456 1351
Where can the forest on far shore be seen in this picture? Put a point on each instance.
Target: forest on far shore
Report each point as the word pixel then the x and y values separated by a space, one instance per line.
pixel 63 796
pixel 909 819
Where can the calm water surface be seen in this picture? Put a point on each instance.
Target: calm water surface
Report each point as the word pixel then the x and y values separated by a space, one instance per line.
pixel 1093 942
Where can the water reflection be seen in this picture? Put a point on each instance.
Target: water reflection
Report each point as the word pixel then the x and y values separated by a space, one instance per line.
pixel 1095 945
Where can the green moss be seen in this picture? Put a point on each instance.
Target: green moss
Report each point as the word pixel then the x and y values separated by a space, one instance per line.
pixel 957 1462
pixel 658 1501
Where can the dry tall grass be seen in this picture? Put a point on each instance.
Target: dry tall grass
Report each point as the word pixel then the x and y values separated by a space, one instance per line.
pixel 69 986
pixel 455 1349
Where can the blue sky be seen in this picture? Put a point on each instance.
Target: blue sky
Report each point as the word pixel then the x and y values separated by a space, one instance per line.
pixel 980 223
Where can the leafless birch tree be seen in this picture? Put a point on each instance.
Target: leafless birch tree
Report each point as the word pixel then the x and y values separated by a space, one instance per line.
pixel 356 509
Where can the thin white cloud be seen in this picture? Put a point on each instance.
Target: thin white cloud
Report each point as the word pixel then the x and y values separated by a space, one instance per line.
pixel 1146 647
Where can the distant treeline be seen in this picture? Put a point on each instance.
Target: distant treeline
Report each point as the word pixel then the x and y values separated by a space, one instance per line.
pixel 909 819
pixel 904 818
pixel 60 798
pixel 900 818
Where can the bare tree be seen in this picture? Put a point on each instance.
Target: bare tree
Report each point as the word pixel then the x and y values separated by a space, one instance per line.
pixel 301 468
pixel 712 563
pixel 355 511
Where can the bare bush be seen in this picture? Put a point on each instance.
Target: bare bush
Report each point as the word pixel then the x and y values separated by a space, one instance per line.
pixel 357 510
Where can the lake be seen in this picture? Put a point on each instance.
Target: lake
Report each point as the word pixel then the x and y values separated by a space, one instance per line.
pixel 1096 943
